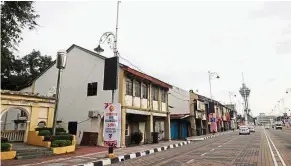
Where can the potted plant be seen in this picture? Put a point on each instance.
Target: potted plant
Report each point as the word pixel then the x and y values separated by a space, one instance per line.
pixel 137 137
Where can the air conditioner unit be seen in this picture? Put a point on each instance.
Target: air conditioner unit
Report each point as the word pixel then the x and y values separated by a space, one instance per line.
pixel 93 114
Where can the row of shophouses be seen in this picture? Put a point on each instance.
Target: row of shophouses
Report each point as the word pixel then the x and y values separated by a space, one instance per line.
pixel 147 103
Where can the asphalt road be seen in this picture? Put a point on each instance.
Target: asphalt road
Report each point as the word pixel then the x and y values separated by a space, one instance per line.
pixel 265 147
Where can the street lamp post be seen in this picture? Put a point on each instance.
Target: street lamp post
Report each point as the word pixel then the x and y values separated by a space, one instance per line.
pixel 61 65
pixel 211 75
pixel 111 39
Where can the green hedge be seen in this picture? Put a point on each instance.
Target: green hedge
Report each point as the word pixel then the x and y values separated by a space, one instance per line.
pixel 62 137
pixel 5 147
pixel 45 133
pixel 61 143
pixel 50 129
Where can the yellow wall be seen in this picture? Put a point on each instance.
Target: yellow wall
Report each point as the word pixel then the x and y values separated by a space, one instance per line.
pixel 32 104
pixel 66 149
pixel 34 139
pixel 8 155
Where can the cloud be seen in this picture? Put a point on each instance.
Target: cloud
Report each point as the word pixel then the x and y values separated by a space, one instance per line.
pixel 275 9
pixel 283 47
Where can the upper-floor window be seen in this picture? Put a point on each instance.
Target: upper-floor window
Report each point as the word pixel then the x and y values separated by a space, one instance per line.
pixel 129 87
pixel 164 95
pixel 137 89
pixel 155 93
pixel 144 91
pixel 92 89
pixel 195 105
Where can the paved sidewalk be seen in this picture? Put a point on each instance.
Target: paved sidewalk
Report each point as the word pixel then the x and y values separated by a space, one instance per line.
pixel 88 156
pixel 208 136
pixel 135 154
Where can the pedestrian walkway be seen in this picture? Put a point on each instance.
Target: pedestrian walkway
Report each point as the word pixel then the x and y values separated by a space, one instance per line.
pixel 135 153
pixel 81 156
pixel 208 136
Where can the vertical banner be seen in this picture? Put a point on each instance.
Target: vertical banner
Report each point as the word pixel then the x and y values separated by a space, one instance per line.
pixel 112 124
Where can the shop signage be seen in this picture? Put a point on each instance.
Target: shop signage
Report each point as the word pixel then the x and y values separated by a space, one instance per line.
pixel 112 124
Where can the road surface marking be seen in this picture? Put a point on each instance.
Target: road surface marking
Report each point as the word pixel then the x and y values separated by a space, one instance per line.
pixel 86 157
pixel 273 156
pixel 190 161
pixel 276 149
pixel 203 154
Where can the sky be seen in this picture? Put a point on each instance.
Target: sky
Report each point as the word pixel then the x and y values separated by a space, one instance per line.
pixel 179 42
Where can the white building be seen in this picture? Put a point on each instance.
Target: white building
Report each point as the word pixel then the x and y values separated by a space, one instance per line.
pixel 81 89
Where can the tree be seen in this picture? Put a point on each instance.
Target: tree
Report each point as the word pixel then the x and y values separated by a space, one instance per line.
pixel 33 64
pixel 15 16
pixel 27 68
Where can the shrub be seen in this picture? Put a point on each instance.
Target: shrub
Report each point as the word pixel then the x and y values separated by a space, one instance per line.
pixel 62 133
pixel 136 137
pixel 50 129
pixel 45 133
pixel 61 143
pixel 62 137
pixel 5 147
pixel 4 140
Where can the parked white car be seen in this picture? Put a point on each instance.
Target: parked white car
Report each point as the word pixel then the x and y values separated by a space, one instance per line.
pixel 252 128
pixel 278 126
pixel 244 130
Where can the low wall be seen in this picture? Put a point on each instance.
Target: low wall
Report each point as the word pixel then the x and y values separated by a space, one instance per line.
pixel 8 155
pixel 66 149
pixel 34 139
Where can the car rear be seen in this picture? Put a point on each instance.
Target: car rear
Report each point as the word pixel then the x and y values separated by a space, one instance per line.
pixel 244 130
pixel 278 126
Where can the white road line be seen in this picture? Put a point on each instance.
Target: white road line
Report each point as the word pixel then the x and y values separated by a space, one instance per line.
pixel 273 156
pixel 86 157
pixel 203 154
pixel 189 161
pixel 276 150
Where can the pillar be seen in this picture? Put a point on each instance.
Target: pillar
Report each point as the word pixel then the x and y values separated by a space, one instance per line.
pixel 33 118
pixel 159 99
pixel 193 126
pixel 50 117
pixel 123 127
pixel 167 128
pixel 149 128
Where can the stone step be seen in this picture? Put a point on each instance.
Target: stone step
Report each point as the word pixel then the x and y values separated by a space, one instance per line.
pixel 33 153
pixel 32 150
pixel 33 156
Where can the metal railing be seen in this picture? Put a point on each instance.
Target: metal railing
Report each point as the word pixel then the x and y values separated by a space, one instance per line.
pixel 13 135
